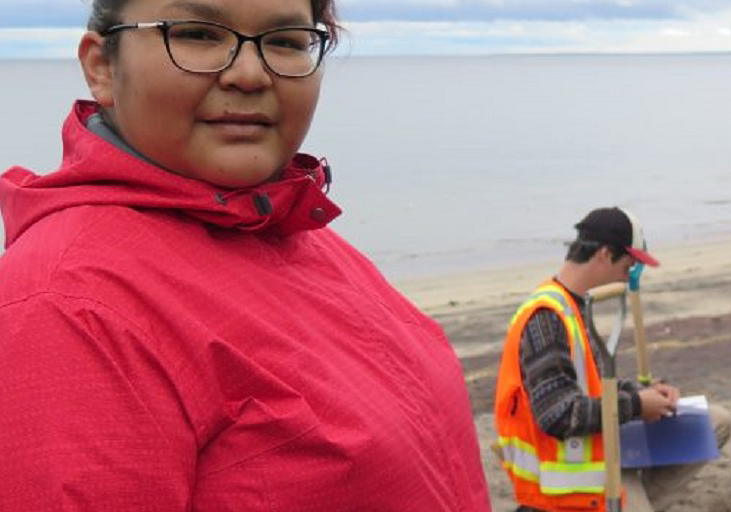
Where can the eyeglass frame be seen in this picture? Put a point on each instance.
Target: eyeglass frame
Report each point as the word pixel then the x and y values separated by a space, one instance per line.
pixel 164 27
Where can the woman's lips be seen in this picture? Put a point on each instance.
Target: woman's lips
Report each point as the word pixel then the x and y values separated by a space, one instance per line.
pixel 241 126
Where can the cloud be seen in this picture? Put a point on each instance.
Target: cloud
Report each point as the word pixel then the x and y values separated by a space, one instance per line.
pixel 73 13
pixel 705 34
pixel 441 27
pixel 534 10
pixel 43 13
pixel 46 43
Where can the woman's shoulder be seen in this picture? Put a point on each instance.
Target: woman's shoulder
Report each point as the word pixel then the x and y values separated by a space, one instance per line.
pixel 62 251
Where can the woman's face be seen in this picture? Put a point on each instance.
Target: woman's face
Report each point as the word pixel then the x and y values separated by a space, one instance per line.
pixel 235 128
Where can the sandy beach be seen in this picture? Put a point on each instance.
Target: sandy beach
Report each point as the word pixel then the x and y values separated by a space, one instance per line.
pixel 687 312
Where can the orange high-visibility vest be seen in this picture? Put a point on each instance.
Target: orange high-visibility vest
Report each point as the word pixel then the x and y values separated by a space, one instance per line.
pixel 549 473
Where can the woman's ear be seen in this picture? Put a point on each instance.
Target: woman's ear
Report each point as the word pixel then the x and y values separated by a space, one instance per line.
pixel 97 67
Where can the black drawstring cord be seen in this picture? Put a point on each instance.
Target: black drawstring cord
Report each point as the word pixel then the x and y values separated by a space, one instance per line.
pixel 328 174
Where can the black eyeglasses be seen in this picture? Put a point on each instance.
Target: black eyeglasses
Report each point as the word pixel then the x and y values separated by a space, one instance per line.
pixel 208 47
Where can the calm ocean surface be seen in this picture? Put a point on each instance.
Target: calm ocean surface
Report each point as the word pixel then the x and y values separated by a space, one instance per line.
pixel 451 164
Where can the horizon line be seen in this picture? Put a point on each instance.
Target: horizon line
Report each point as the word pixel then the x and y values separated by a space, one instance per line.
pixel 577 53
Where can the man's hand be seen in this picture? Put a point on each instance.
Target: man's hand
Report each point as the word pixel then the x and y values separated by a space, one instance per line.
pixel 658 401
pixel 668 391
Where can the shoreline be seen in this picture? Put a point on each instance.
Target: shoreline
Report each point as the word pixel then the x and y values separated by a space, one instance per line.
pixel 686 298
pixel 488 286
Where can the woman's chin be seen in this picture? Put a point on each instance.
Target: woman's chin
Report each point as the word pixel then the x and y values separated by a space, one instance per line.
pixel 241 175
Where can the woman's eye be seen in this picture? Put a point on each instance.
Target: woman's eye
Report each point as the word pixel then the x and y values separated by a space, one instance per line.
pixel 297 40
pixel 195 34
pixel 284 42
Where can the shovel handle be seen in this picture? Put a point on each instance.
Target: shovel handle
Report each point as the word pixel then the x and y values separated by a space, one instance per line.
pixel 609 399
pixel 643 368
pixel 607 291
pixel 610 438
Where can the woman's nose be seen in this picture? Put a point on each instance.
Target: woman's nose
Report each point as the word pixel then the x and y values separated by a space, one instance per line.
pixel 247 71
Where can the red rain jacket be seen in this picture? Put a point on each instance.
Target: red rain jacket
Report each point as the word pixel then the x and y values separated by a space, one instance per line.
pixel 167 345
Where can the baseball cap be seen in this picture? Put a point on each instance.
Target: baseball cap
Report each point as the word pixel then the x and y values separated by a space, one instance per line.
pixel 616 226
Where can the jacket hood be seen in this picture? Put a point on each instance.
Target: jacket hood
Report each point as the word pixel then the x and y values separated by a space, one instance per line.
pixel 95 172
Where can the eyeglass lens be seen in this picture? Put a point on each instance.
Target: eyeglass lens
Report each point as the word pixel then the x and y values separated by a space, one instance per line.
pixel 201 47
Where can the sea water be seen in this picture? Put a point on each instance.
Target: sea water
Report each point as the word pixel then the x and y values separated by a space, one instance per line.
pixel 445 164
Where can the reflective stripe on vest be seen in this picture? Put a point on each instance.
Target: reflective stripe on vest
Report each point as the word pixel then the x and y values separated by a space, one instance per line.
pixel 552 295
pixel 557 478
pixel 574 471
pixel 553 477
pixel 520 458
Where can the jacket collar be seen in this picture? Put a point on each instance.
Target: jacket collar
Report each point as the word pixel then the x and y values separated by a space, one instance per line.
pixel 96 172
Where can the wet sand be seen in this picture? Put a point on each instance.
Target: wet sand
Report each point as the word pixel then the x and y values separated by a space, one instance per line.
pixel 687 312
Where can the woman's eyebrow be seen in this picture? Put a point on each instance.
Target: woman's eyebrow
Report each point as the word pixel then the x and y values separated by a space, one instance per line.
pixel 198 9
pixel 289 20
pixel 212 12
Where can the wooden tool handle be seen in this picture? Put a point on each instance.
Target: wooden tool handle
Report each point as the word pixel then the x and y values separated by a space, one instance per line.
pixel 607 291
pixel 643 368
pixel 610 438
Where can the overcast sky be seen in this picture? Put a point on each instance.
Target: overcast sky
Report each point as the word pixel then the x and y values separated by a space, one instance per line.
pixel 50 28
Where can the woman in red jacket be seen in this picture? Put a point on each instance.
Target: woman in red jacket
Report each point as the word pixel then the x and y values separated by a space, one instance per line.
pixel 180 329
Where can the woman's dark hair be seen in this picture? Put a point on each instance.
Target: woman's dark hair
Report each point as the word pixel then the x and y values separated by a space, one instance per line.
pixel 106 13
pixel 582 250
